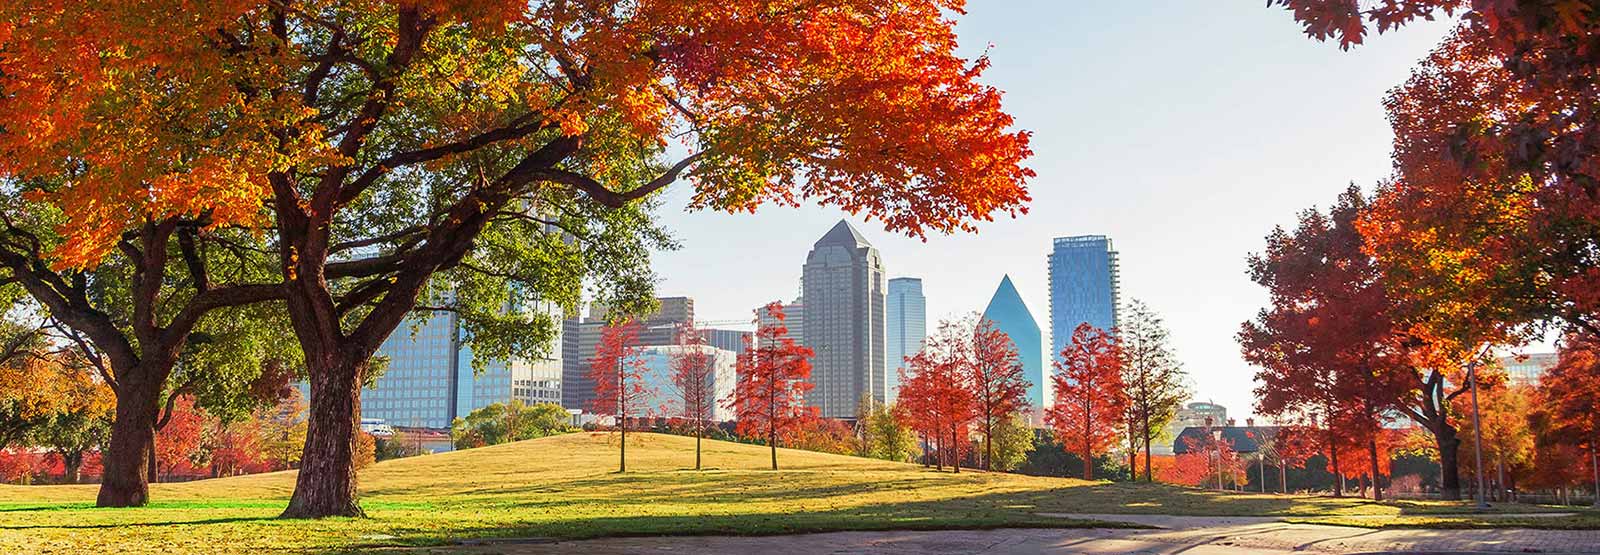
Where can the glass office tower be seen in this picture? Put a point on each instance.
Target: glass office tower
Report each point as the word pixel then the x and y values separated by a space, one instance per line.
pixel 1084 287
pixel 907 327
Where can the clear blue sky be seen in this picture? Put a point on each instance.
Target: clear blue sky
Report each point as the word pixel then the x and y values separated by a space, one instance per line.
pixel 1185 130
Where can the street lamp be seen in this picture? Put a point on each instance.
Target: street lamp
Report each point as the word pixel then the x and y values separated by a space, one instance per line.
pixel 1477 430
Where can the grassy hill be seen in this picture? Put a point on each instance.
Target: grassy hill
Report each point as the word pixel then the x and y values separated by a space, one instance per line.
pixel 567 487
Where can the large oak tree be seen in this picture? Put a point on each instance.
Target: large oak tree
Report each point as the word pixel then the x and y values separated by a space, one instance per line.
pixel 471 156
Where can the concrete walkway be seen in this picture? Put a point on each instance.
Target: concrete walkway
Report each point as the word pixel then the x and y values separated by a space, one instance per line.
pixel 1186 535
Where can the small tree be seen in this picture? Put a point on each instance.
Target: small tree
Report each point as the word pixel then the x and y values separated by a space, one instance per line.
pixel 939 394
pixel 768 400
pixel 891 440
pixel 694 376
pixel 506 422
pixel 1013 439
pixel 618 375
pixel 1153 378
pixel 999 388
pixel 1089 394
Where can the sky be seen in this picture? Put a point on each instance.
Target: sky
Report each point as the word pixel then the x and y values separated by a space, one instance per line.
pixel 1183 130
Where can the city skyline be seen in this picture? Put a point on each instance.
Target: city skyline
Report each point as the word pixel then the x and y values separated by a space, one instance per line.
pixel 1151 158
pixel 843 295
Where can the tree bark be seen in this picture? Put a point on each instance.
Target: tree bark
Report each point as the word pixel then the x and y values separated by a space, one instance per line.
pixel 955 450
pixel 1594 463
pixel 1449 469
pixel 1147 439
pixel 1333 458
pixel 72 466
pixel 1372 451
pixel 125 478
pixel 326 484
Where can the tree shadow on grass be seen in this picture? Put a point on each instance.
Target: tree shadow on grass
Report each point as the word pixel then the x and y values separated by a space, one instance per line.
pixel 138 524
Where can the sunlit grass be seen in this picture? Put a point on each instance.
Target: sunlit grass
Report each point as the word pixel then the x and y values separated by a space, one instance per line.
pixel 566 487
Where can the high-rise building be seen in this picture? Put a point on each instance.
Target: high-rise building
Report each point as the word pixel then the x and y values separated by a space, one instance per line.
pixel 733 341
pixel 1084 287
pixel 1528 368
pixel 1012 317
pixel 906 327
pixel 429 379
pixel 843 291
pixel 662 396
pixel 794 320
pixel 582 335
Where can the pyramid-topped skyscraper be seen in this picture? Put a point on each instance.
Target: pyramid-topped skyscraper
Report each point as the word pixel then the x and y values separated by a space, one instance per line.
pixel 1012 317
pixel 843 291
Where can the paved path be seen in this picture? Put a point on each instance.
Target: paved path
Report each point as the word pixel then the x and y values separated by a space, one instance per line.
pixel 1186 535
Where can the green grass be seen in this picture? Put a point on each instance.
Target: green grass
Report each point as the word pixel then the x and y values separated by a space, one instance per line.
pixel 566 487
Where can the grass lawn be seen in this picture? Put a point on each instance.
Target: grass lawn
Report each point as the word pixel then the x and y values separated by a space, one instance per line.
pixel 566 487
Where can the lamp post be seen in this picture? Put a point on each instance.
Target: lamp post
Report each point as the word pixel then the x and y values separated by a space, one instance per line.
pixel 1477 430
pixel 1216 436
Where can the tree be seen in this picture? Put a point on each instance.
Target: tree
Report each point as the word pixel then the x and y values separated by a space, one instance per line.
pixel 390 149
pixel 1152 377
pixel 1569 396
pixel 1013 439
pixel 131 310
pixel 769 398
pixel 1089 394
pixel 694 377
pixel 1344 345
pixel 938 393
pixel 618 375
pixel 891 440
pixel 506 422
pixel 999 388
pixel 179 449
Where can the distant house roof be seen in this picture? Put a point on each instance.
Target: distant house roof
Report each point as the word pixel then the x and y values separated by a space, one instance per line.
pixel 1243 438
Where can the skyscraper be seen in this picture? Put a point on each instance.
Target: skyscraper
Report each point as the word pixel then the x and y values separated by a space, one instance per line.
pixel 1012 317
pixel 1084 287
pixel 582 335
pixel 907 327
pixel 843 292
pixel 430 381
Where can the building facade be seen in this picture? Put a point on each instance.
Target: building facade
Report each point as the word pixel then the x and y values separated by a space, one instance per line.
pixel 906 328
pixel 733 341
pixel 1012 317
pixel 794 320
pixel 582 334
pixel 663 398
pixel 1528 368
pixel 843 290
pixel 1085 286
pixel 1192 415
pixel 429 380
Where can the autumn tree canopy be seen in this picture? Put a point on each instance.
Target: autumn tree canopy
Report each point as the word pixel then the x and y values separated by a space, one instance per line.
pixel 403 154
pixel 1090 397
pixel 769 398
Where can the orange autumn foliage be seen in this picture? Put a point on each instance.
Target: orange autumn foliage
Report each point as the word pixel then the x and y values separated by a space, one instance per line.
pixel 859 104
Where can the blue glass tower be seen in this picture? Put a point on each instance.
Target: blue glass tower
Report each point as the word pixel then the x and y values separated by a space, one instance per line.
pixel 1084 287
pixel 907 327
pixel 1012 317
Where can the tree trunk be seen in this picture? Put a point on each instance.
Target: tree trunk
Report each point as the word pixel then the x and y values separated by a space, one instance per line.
pixel 1333 458
pixel 1283 477
pixel 772 446
pixel 1147 435
pixel 988 448
pixel 697 434
pixel 1088 461
pixel 125 478
pixel 1261 468
pixel 1372 451
pixel 326 484
pixel 153 465
pixel 1594 463
pixel 938 451
pixel 1449 468
pixel 72 465
pixel 955 450
pixel 622 455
